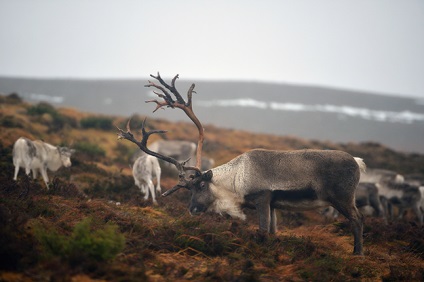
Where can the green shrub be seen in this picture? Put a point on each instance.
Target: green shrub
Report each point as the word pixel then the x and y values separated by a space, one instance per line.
pixel 12 98
pixel 102 244
pixel 124 153
pixel 48 114
pixel 84 243
pixel 90 149
pixel 104 123
pixel 42 108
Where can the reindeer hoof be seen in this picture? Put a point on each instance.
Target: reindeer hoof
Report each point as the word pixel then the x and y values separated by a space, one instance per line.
pixel 261 236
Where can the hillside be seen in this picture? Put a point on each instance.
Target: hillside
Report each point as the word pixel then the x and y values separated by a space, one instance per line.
pixel 309 112
pixel 93 224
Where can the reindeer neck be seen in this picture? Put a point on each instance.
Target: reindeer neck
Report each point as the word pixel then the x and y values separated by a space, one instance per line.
pixel 54 161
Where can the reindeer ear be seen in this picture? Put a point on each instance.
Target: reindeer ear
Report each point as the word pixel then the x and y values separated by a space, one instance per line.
pixel 207 175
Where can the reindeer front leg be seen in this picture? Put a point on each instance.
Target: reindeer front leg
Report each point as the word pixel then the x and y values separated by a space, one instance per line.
pixel 45 176
pixel 263 206
pixel 273 224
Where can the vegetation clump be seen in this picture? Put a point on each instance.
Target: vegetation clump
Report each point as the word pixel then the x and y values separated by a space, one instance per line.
pixel 99 122
pixel 89 149
pixel 48 114
pixel 85 242
pixel 93 224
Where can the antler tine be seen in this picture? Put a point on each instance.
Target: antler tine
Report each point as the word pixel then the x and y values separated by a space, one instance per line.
pixel 128 125
pixel 190 95
pixel 143 146
pixel 143 143
pixel 171 87
pixel 159 105
pixel 180 103
pixel 166 96
pixel 172 190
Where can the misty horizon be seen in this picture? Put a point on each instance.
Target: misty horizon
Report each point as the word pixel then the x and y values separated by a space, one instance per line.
pixel 306 112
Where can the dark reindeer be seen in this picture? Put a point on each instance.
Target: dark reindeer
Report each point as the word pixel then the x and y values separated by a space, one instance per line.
pixel 293 180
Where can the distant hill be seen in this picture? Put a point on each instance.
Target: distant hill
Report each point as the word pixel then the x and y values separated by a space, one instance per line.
pixel 315 113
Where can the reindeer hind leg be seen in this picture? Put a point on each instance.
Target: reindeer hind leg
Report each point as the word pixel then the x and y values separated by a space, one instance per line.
pixel 356 222
pixel 152 191
pixel 15 176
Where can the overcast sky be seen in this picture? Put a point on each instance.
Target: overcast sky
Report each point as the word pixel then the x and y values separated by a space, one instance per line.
pixel 366 45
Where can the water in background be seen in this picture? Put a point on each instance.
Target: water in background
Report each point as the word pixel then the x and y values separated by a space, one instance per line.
pixel 307 112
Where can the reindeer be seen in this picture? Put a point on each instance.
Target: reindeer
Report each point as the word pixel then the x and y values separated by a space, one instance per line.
pixel 366 196
pixel 404 196
pixel 270 180
pixel 39 156
pixel 385 181
pixel 144 169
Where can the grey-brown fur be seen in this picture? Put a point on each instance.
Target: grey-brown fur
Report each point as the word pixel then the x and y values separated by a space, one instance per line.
pixel 367 195
pixel 292 180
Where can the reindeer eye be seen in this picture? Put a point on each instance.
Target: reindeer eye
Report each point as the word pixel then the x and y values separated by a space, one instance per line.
pixel 202 185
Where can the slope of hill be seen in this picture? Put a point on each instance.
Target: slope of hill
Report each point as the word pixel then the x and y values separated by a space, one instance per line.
pixel 74 231
pixel 307 112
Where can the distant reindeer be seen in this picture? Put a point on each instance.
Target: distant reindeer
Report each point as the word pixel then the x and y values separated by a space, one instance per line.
pixel 404 196
pixel 395 192
pixel 145 168
pixel 39 156
pixel 181 150
pixel 293 180
pixel 366 196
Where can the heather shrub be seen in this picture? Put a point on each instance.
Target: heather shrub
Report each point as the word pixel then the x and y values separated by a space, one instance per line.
pixel 90 149
pixel 85 242
pixel 104 123
pixel 47 114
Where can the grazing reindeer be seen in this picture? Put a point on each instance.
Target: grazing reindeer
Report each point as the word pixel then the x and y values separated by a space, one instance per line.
pixel 295 180
pixel 144 169
pixel 39 156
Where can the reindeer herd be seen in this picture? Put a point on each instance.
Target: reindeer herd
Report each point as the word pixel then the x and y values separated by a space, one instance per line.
pixel 265 180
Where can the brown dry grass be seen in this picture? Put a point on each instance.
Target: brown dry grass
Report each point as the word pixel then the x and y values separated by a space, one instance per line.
pixel 164 243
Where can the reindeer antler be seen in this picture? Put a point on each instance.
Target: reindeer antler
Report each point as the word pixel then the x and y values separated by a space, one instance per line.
pixel 168 101
pixel 128 135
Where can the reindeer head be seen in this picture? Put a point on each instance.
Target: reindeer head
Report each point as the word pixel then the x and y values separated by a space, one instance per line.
pixel 198 183
pixel 65 155
pixel 201 195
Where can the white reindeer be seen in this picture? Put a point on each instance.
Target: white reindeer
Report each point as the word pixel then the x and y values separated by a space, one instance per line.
pixel 145 168
pixel 39 156
pixel 295 180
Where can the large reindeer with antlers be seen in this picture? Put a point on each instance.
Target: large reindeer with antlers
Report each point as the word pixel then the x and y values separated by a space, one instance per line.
pixel 294 180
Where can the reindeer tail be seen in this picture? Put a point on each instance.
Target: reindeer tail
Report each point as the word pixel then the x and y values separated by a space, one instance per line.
pixel 361 163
